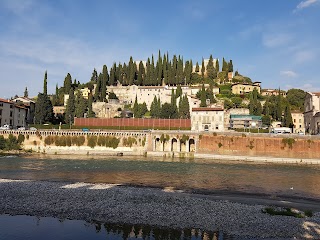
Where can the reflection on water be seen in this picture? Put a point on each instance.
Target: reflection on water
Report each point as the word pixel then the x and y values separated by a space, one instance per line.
pixel 27 227
pixel 291 180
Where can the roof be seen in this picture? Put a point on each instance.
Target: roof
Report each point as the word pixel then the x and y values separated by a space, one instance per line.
pixel 5 101
pixel 248 84
pixel 205 109
pixel 245 117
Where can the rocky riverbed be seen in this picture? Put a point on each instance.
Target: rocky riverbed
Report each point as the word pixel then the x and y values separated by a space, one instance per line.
pixel 158 207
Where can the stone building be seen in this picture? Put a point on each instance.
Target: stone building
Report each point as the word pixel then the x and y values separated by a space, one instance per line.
pixel 243 88
pixel 312 113
pixel 207 119
pixel 298 122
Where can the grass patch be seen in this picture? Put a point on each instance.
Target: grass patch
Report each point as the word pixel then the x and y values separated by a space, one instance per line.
pixel 287 212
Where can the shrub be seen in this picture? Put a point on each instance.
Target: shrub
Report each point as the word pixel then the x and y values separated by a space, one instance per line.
pixel 20 138
pixel 289 141
pixel 220 145
pixel 92 141
pixel 49 140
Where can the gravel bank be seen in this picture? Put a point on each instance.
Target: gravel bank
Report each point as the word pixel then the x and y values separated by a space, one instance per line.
pixel 111 203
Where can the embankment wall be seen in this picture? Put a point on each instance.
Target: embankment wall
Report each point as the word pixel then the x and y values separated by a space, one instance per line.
pixel 246 145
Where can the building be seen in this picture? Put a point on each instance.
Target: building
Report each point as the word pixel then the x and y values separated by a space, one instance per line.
pixel 298 122
pixel 84 91
pixel 312 113
pixel 107 110
pixel 233 111
pixel 273 92
pixel 243 88
pixel 128 94
pixel 207 119
pixel 238 121
pixel 12 114
pixel 59 110
pixel 29 104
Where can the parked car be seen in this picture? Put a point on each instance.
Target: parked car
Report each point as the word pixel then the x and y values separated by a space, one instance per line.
pixel 5 127
pixel 33 129
pixel 21 128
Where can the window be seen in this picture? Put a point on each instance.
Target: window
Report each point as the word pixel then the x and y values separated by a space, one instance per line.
pixel 11 113
pixel 1 104
pixel 299 120
pixel 294 120
pixel 0 112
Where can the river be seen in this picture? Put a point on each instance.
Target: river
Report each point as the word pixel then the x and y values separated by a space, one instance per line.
pixel 186 174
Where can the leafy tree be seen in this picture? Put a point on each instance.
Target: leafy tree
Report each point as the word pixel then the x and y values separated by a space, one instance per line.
pixel 184 107
pixel 168 111
pixel 2 142
pixel 296 97
pixel 266 120
pixel 237 101
pixel 43 109
pixel 70 108
pixel 227 104
pixel 178 91
pixel 155 108
pixel 278 107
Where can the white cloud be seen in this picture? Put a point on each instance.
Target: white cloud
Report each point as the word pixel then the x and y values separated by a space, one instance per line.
pixel 289 74
pixel 304 4
pixel 276 40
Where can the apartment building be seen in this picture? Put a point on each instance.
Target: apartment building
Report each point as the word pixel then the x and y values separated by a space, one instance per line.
pixel 11 114
pixel 207 119
pixel 312 112
pixel 243 88
pixel 298 122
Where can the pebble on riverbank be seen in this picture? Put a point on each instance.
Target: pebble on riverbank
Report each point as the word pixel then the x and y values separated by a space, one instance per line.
pixel 113 203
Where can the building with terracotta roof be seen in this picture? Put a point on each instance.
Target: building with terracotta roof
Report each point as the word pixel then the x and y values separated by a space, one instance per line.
pixel 12 114
pixel 273 92
pixel 243 88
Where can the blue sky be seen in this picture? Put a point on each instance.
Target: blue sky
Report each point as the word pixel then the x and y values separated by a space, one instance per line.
pixel 275 42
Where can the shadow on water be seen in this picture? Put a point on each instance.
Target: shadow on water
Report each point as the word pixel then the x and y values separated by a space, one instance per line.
pixel 28 227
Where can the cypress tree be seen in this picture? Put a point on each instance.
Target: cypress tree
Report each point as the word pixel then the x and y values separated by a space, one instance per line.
pixel 278 107
pixel 45 84
pixel 287 119
pixel 203 97
pixel 80 105
pixel 203 69
pixel 67 83
pixel 104 80
pixel 211 71
pixel 70 108
pixel 26 94
pixel 94 76
pixel 230 66
pixel 135 107
pixel 217 66
pixel 90 111
pixel 197 69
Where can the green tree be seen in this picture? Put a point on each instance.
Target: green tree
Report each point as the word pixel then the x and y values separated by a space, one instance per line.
pixel 230 66
pixel 26 94
pixel 104 82
pixel 168 111
pixel 197 69
pixel 136 107
pixel 67 83
pixel 203 69
pixel 43 109
pixel 45 84
pixel 2 142
pixel 91 113
pixel 255 107
pixel 70 108
pixel 141 74
pixel 217 66
pixel 237 101
pixel 80 105
pixel 287 118
pixel 184 107
pixel 94 77
pixel 296 97
pixel 203 98
pixel 211 71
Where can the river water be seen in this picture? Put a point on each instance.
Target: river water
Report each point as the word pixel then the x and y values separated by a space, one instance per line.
pixel 186 174
pixel 302 181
